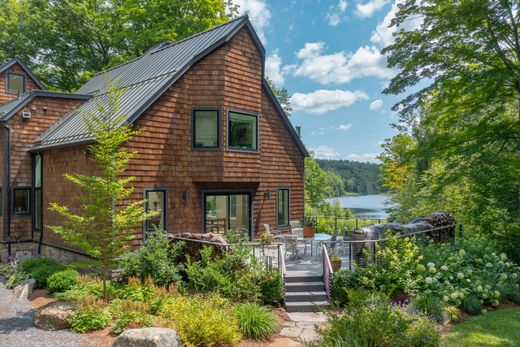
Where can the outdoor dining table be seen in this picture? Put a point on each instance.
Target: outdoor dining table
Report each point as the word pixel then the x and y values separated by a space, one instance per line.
pixel 319 239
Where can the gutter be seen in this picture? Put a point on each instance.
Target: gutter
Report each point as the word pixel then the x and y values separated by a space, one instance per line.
pixel 6 186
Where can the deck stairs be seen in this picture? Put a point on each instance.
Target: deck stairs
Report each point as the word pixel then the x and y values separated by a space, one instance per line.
pixel 305 293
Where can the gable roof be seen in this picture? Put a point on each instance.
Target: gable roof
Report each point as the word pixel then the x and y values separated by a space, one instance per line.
pixel 145 79
pixel 6 65
pixel 9 109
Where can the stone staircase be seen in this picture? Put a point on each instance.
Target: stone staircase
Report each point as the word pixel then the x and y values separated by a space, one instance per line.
pixel 305 293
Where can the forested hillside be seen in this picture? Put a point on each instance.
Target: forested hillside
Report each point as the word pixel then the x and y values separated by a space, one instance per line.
pixel 356 177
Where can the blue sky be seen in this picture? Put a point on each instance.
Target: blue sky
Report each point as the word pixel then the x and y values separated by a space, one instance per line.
pixel 327 54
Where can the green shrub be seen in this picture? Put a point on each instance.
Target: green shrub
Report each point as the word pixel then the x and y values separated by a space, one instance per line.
pixel 471 304
pixel 342 281
pixel 155 259
pixel 271 286
pixel 371 320
pixel 130 315
pixel 233 275
pixel 429 306
pixel 255 321
pixel 91 315
pixel 62 280
pixel 40 269
pixel 15 279
pixel 74 294
pixel 136 290
pixel 7 270
pixel 202 320
pixel 468 274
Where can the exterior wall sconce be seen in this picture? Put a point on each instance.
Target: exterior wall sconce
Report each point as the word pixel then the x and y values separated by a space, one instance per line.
pixel 26 114
pixel 185 196
pixel 267 194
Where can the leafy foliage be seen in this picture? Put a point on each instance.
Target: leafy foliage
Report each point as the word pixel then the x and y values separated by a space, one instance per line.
pixel 271 286
pixel 371 320
pixel 430 306
pixel 91 315
pixel 346 176
pixel 202 320
pixel 459 145
pixel 155 259
pixel 62 280
pixel 104 225
pixel 256 322
pixel 282 94
pixel 40 269
pixel 66 42
pixel 7 270
pixel 130 314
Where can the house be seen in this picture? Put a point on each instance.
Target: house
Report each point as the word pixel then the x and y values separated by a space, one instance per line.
pixel 215 149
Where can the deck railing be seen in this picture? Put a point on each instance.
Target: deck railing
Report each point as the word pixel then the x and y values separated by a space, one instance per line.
pixel 327 270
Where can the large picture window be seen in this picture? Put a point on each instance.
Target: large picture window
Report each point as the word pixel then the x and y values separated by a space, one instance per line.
pixel 37 183
pixel 15 83
pixel 227 211
pixel 282 207
pixel 243 131
pixel 206 129
pixel 156 202
pixel 21 201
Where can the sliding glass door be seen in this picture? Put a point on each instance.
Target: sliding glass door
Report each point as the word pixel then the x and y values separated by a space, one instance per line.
pixel 227 211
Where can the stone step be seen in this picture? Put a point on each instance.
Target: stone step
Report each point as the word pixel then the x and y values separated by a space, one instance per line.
pixel 313 286
pixel 291 279
pixel 306 306
pixel 305 296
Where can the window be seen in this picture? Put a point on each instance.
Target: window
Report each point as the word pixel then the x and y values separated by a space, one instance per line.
pixel 227 211
pixel 15 83
pixel 21 201
pixel 243 131
pixel 156 202
pixel 282 207
pixel 206 129
pixel 37 184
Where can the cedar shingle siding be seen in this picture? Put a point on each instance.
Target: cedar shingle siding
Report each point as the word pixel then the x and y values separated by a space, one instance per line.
pixel 228 78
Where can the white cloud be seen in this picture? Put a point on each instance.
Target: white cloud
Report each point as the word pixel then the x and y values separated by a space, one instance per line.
pixel 340 67
pixel 383 35
pixel 273 68
pixel 325 152
pixel 259 14
pixel 322 101
pixel 344 126
pixel 364 157
pixel 367 9
pixel 334 15
pixel 321 131
pixel 374 105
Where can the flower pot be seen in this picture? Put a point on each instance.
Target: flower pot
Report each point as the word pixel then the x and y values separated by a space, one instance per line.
pixel 309 231
pixel 336 265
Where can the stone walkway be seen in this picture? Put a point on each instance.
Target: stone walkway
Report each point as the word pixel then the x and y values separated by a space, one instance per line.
pixel 303 325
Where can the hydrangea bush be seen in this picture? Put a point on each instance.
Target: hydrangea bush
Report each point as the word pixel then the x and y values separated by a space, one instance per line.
pixel 468 274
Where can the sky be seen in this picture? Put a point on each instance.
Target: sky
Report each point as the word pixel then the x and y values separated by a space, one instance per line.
pixel 327 54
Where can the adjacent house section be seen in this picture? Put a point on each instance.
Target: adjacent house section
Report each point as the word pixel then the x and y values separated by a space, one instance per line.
pixel 215 150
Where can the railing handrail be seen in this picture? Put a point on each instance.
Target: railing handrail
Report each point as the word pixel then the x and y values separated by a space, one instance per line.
pixel 327 270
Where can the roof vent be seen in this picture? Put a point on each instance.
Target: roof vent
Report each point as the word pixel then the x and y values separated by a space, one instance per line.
pixel 26 113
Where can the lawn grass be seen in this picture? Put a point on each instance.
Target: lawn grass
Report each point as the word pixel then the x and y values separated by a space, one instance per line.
pixel 498 328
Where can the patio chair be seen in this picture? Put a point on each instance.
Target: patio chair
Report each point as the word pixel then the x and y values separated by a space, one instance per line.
pixel 291 246
pixel 333 241
pixel 270 231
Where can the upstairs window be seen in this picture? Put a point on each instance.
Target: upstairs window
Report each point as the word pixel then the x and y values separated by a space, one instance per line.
pixel 21 201
pixel 15 83
pixel 206 129
pixel 243 131
pixel 282 207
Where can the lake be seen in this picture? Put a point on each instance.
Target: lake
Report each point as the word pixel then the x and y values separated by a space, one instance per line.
pixel 365 206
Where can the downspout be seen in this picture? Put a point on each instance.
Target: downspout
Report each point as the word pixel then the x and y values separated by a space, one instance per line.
pixel 6 186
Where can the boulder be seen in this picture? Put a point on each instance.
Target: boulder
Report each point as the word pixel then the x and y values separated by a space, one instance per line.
pixel 148 337
pixel 24 290
pixel 54 316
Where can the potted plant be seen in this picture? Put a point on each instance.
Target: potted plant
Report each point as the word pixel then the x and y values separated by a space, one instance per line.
pixel 335 262
pixel 309 226
pixel 266 238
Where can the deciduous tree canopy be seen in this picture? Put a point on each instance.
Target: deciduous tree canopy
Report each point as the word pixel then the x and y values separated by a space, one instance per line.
pixel 67 41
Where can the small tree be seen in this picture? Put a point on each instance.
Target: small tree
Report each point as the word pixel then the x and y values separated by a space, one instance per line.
pixel 102 226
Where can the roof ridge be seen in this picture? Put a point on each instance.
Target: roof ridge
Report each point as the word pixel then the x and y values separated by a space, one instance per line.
pixel 151 51
pixel 199 33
